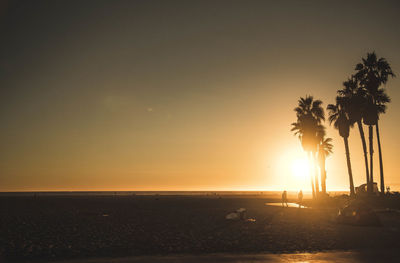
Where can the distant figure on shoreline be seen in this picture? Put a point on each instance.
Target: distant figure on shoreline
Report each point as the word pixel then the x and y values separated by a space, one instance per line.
pixel 300 197
pixel 284 199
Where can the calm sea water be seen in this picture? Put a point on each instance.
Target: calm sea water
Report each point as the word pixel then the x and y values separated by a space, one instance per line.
pixel 127 193
pixel 163 193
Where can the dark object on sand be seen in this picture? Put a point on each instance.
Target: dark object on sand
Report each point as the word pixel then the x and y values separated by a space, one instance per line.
pixel 358 213
pixel 238 214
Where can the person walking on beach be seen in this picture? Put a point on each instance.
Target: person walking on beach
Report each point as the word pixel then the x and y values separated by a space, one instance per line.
pixel 300 197
pixel 284 199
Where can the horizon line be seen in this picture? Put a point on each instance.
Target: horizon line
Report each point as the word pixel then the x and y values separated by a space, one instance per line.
pixel 232 190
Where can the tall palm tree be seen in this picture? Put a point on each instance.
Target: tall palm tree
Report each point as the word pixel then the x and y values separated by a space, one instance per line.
pixel 309 115
pixel 370 118
pixel 372 73
pixel 374 107
pixel 300 129
pixel 381 100
pixel 324 150
pixel 339 117
pixel 356 98
pixel 320 135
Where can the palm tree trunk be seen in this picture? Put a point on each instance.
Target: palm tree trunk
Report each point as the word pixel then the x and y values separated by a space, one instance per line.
pixel 371 161
pixel 380 159
pixel 364 145
pixel 312 186
pixel 346 145
pixel 323 176
pixel 312 180
pixel 316 175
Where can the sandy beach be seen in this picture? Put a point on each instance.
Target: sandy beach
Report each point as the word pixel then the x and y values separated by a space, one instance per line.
pixel 356 256
pixel 64 228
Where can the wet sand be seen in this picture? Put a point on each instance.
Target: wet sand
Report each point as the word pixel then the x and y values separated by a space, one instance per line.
pixel 286 205
pixel 64 228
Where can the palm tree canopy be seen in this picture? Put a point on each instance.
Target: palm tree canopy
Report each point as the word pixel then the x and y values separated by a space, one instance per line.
pixel 310 114
pixel 305 129
pixel 309 106
pixel 373 72
pixel 355 99
pixel 339 117
pixel 325 148
pixel 375 105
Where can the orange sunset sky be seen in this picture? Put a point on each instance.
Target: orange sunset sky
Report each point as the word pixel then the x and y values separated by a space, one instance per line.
pixel 182 95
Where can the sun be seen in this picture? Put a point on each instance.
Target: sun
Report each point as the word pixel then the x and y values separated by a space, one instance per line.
pixel 300 167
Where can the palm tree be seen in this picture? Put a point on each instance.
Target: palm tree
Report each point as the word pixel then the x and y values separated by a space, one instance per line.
pixel 320 135
pixel 381 99
pixel 374 107
pixel 300 129
pixel 339 117
pixel 324 150
pixel 372 73
pixel 356 98
pixel 309 115
pixel 370 118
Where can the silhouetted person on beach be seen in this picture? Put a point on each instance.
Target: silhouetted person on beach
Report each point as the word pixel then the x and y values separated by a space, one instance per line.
pixel 284 199
pixel 300 197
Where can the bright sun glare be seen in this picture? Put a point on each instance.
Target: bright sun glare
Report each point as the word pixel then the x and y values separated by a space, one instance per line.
pixel 300 167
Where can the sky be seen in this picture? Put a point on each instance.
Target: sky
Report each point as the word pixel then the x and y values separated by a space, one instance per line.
pixel 182 95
